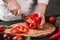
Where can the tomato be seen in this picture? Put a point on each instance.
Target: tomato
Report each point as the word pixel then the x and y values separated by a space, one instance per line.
pixel 52 19
pixel 17 38
pixel 1 28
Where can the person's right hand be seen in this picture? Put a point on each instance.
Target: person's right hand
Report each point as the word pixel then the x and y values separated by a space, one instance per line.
pixel 14 7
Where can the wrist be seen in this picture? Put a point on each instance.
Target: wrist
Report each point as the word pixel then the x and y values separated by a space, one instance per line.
pixel 42 8
pixel 41 14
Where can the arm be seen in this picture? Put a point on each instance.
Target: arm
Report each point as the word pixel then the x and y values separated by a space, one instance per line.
pixel 42 6
pixel 13 6
pixel 41 9
pixel 7 1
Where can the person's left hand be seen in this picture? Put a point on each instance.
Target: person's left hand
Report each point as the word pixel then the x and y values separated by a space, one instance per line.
pixel 41 12
pixel 42 19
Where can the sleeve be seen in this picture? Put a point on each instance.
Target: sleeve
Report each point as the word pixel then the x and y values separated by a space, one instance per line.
pixel 1 2
pixel 43 1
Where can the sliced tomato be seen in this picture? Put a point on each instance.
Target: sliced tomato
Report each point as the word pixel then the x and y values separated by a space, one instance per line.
pixel 2 29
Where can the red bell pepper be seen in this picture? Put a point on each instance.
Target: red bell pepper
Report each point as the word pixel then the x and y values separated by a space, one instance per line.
pixel 55 35
pixel 19 29
pixel 33 21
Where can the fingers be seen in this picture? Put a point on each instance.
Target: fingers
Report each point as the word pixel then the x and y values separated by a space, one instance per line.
pixel 15 9
pixel 16 12
pixel 43 20
pixel 39 14
pixel 19 12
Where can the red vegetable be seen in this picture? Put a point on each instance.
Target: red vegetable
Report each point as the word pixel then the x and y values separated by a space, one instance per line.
pixel 17 38
pixel 13 31
pixel 26 30
pixel 6 36
pixel 1 28
pixel 33 21
pixel 52 19
pixel 55 35
pixel 19 29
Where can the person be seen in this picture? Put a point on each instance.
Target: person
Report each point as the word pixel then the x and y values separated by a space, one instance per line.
pixel 18 7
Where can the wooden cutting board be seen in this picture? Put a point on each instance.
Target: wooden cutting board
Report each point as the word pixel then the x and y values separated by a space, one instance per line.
pixel 47 30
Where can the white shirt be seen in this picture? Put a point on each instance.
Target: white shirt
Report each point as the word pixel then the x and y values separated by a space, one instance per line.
pixel 26 4
pixel 6 15
pixel 43 1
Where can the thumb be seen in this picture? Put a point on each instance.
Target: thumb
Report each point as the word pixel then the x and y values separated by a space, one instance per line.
pixel 39 14
pixel 19 12
pixel 42 20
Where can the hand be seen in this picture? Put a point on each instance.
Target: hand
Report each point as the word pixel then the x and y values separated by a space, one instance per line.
pixel 14 7
pixel 41 11
pixel 42 8
pixel 42 20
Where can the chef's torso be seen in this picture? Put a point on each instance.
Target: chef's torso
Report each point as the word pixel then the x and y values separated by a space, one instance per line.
pixel 6 15
pixel 26 6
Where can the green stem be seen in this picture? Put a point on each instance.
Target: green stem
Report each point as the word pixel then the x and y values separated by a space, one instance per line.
pixel 6 26
pixel 28 38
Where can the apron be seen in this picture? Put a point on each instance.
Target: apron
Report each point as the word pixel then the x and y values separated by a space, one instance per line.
pixel 53 8
pixel 27 7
